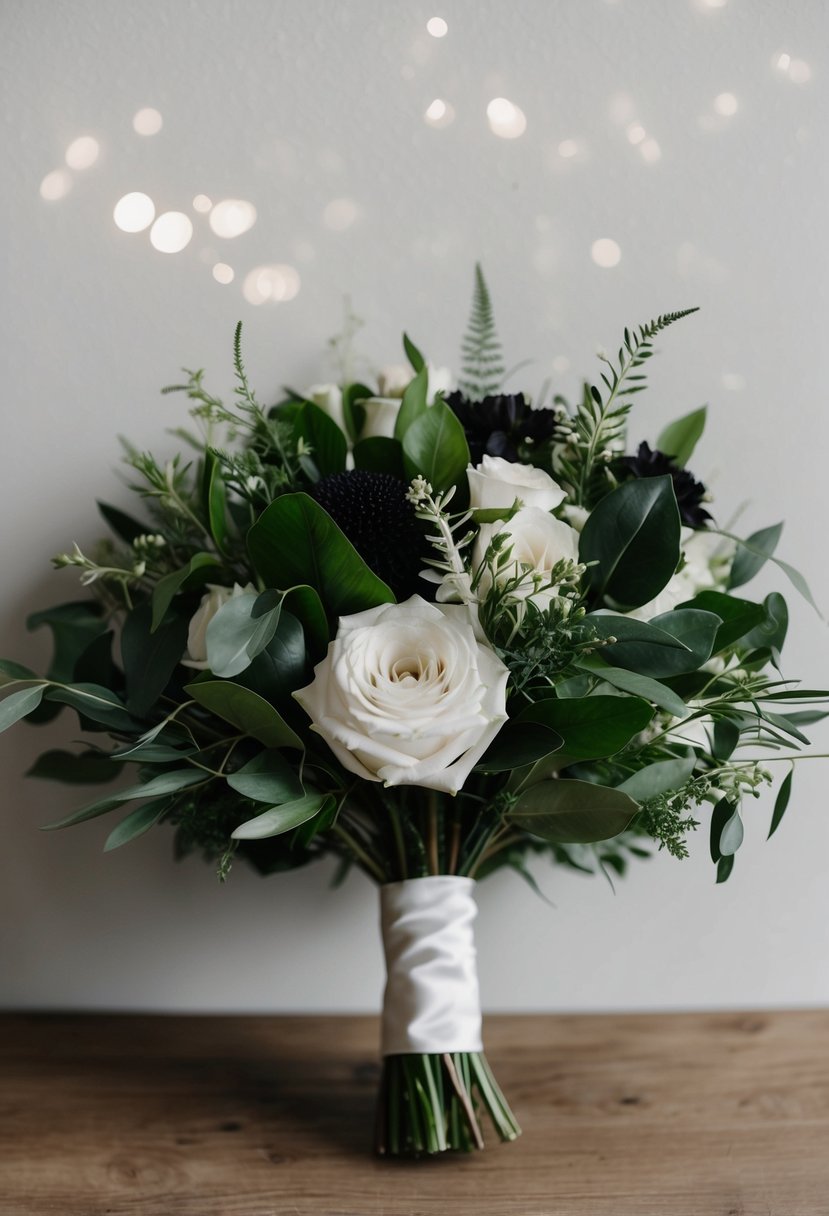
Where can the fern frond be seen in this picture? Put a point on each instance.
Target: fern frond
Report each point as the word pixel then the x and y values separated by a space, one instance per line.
pixel 482 365
pixel 601 416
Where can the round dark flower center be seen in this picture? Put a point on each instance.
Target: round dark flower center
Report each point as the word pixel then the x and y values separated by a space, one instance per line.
pixel 374 513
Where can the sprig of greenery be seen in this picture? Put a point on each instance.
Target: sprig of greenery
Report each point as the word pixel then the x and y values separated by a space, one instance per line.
pixel 600 418
pixel 482 361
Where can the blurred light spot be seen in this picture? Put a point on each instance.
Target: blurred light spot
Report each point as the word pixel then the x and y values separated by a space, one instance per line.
pixel 134 212
pixel 232 216
pixel 223 273
pixel 506 119
pixel 651 151
pixel 561 364
pixel 733 381
pixel 782 61
pixel 726 104
pixel 437 27
pixel 799 71
pixel 621 108
pixel 568 148
pixel 439 113
pixel 55 185
pixel 147 121
pixel 714 3
pixel 82 152
pixel 304 251
pixel 605 252
pixel 202 203
pixel 636 132
pixel 340 214
pixel 171 232
pixel 270 284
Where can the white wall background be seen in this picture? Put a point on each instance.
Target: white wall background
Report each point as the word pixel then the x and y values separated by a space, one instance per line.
pixel 294 104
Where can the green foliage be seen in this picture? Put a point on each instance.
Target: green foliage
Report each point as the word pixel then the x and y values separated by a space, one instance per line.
pixel 679 439
pixel 482 362
pixel 599 422
pixel 435 447
pixel 666 815
pixel 566 812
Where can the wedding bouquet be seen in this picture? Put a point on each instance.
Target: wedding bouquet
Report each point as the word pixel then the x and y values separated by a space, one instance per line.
pixel 430 632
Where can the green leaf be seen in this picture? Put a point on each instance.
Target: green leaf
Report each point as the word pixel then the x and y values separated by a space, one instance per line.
pixel 645 647
pixel 11 672
pixel 380 455
pixel 738 616
pixel 753 553
pixel 572 812
pixel 305 604
pixel 235 636
pixel 592 727
pixel 697 630
pixel 282 666
pixel 633 535
pixel 659 778
pixel 726 737
pixel 123 525
pixel 731 836
pixel 280 819
pixel 96 703
pixel 354 413
pixel 71 768
pixel 724 867
pixel 720 816
pixel 267 778
pixel 435 447
pixel 771 632
pixel 135 824
pixel 246 710
pixel 165 783
pixel 638 685
pixel 413 403
pixel 73 627
pixel 17 704
pixel 413 354
pixel 328 445
pixel 196 573
pixel 214 499
pixel 295 541
pixel 518 744
pixel 150 657
pixel 781 802
pixel 679 438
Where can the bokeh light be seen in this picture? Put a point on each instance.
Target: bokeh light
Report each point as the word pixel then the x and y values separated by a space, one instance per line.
pixel 605 252
pixel 231 217
pixel 437 27
pixel 726 104
pixel 134 212
pixel 55 185
pixel 202 203
pixel 223 273
pixel 147 121
pixel 439 113
pixel 171 232
pixel 271 284
pixel 506 119
pixel 82 152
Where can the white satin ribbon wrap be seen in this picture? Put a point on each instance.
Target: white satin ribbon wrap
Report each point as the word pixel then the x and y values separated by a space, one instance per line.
pixel 432 1003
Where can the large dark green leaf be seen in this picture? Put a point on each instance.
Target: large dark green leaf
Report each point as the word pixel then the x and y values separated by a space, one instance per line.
pixel 671 644
pixel 753 553
pixel 267 778
pixel 11 672
pixel 282 667
pixel 198 571
pixel 123 525
pixel 720 816
pixel 679 438
pixel 236 635
pixel 328 445
pixel 573 812
pixel 380 455
pixel 659 778
pixel 517 744
pixel 592 727
pixel 73 627
pixel 72 768
pixel 633 535
pixel 413 403
pixel 282 818
pixel 150 658
pixel 246 710
pixel 97 704
pixel 435 447
pixel 738 616
pixel 695 629
pixel 295 541
pixel 771 632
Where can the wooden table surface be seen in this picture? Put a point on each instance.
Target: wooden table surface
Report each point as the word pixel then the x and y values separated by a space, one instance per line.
pixel 623 1115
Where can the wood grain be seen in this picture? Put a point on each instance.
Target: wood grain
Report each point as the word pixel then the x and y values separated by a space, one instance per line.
pixel 623 1115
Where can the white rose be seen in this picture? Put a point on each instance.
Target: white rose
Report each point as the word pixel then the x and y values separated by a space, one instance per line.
pixel 575 516
pixel 393 380
pixel 381 415
pixel 407 696
pixel 496 482
pixel 213 599
pixel 538 541
pixel 329 398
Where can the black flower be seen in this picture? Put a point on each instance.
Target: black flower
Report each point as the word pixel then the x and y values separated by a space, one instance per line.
pixel 374 513
pixel 649 462
pixel 497 426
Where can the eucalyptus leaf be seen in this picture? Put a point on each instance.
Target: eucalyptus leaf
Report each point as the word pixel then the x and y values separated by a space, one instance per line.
pixel 753 553
pixel 720 816
pixel 169 782
pixel 197 572
pixel 235 636
pixel 214 499
pixel 739 617
pixel 246 710
pixel 18 704
pixel 11 672
pixel 731 836
pixel 572 812
pixel 73 627
pixel 517 744
pixel 135 824
pixel 639 685
pixel 279 819
pixel 96 703
pixel 679 438
pixel 633 537
pixel 659 778
pixel 591 727
pixel 150 657
pixel 781 802
pixel 267 778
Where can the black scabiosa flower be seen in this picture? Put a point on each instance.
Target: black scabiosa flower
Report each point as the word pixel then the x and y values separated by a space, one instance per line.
pixel 649 462
pixel 497 426
pixel 374 513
